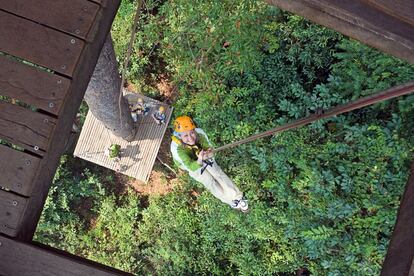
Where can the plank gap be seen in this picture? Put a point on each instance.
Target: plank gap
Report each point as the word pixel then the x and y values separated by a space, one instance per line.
pixel 11 145
pixel 39 44
pixel 17 102
pixel 32 84
pixel 29 63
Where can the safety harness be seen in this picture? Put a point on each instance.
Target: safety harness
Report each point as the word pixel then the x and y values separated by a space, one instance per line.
pixel 196 149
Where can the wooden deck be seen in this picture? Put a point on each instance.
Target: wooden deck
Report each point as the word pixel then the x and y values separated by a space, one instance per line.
pixel 48 51
pixel 137 157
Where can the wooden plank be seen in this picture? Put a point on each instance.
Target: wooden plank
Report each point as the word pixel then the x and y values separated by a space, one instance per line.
pixel 401 9
pixel 400 254
pixel 24 127
pixel 23 259
pixel 39 44
pixel 49 163
pixel 31 85
pixel 74 17
pixel 18 170
pixel 332 16
pixel 11 209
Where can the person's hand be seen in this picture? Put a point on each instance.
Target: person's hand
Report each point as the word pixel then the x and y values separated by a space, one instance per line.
pixel 200 157
pixel 208 154
pixel 204 155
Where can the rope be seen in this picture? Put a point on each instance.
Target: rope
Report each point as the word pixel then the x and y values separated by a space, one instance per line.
pixel 128 57
pixel 394 92
pixel 167 166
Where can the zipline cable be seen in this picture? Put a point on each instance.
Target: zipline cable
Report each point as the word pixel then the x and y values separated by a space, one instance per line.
pixel 391 93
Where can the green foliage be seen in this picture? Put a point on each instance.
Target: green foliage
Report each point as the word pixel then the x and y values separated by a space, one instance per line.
pixel 322 197
pixel 114 151
pixel 327 194
pixel 145 64
pixel 83 217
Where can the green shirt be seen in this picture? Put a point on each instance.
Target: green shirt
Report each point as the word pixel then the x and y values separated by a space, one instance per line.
pixel 186 155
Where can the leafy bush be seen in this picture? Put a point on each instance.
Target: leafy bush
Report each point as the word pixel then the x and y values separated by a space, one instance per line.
pixel 322 196
pixel 82 216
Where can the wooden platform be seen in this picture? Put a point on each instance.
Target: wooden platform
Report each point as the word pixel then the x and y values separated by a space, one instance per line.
pixel 138 156
pixel 48 51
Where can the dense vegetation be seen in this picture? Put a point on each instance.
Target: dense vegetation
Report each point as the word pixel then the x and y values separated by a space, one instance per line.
pixel 322 197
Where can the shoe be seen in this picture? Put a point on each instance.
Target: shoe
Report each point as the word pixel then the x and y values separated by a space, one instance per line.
pixel 244 206
pixel 234 204
pixel 240 204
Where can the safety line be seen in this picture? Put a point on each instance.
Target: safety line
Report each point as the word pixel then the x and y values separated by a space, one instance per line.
pixel 391 93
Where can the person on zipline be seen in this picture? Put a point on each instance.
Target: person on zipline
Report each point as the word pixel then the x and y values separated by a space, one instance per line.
pixel 191 151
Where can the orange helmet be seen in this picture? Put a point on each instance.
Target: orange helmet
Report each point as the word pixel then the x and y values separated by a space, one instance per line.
pixel 183 123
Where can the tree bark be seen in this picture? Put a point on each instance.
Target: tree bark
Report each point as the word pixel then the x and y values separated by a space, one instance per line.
pixel 102 95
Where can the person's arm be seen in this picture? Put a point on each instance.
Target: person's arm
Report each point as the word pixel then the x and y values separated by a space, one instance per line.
pixel 205 144
pixel 187 161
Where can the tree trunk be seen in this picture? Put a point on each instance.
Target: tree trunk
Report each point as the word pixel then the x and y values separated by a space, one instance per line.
pixel 102 95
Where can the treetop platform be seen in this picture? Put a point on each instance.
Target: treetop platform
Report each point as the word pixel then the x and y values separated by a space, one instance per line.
pixel 137 157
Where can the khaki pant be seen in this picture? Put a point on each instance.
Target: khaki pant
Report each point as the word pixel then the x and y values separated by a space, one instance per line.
pixel 218 183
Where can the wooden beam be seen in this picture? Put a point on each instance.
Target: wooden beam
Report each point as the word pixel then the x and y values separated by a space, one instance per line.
pixel 11 209
pixel 63 127
pixel 18 170
pixel 31 85
pixel 23 259
pixel 400 254
pixel 401 9
pixel 39 44
pixel 370 17
pixel 74 17
pixel 360 20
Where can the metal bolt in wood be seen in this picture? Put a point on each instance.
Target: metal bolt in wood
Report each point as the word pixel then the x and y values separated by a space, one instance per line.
pixel 14 203
pixel 72 41
pixel 59 81
pixel 28 162
pixel 63 67
pixel 51 105
pixel 36 148
pixel 77 31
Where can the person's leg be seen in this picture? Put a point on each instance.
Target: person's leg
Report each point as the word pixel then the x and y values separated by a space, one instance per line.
pixel 230 190
pixel 212 185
